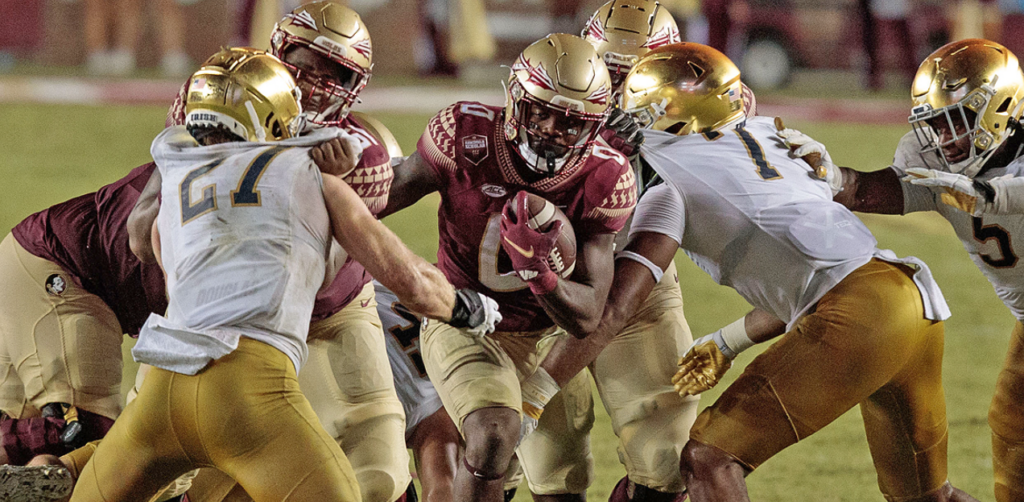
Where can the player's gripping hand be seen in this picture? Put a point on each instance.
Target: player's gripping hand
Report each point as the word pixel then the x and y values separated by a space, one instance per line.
pixel 528 248
pixel 701 367
pixel 337 156
pixel 974 197
pixel 628 135
pixel 814 153
pixel 475 311
pixel 537 391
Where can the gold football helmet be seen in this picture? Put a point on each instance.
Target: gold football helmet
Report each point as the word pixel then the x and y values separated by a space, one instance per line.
pixel 335 32
pixel 246 91
pixel 684 88
pixel 557 98
pixel 974 84
pixel 623 31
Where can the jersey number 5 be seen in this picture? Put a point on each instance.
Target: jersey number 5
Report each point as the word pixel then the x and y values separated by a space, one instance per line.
pixel 243 195
pixel 984 233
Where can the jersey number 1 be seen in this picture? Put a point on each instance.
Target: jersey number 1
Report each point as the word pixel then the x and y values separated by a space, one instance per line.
pixel 244 195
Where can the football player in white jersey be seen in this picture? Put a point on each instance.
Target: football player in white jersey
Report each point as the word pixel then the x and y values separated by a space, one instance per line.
pixel 226 355
pixel 753 219
pixel 964 160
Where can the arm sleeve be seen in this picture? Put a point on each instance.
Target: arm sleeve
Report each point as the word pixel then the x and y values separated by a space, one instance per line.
pixel 660 211
pixel 915 197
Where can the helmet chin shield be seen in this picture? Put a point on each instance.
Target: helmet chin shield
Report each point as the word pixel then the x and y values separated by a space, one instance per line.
pixel 961 120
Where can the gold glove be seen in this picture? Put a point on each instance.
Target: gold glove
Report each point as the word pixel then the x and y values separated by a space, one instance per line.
pixel 700 369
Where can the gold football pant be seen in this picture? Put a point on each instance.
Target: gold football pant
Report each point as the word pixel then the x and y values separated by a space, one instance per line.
pixel 243 414
pixel 867 343
pixel 634 378
pixel 1006 417
pixel 58 342
pixel 472 372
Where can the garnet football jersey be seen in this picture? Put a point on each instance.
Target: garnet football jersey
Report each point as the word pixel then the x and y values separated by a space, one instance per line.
pixel 88 237
pixel 465 145
pixel 371 180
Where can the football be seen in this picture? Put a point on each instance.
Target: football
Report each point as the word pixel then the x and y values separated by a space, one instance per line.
pixel 542 215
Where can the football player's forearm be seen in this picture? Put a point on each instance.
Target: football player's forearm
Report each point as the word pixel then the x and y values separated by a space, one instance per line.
pixel 762 326
pixel 413 179
pixel 141 219
pixel 419 285
pixel 875 192
pixel 577 305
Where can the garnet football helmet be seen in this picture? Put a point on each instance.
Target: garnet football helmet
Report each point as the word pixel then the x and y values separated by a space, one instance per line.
pixel 246 91
pixel 623 31
pixel 557 98
pixel 684 88
pixel 337 33
pixel 975 84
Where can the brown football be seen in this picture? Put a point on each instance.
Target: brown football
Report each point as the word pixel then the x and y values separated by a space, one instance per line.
pixel 542 215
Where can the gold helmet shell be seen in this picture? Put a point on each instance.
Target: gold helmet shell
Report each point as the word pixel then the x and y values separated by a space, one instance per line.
pixel 336 32
pixel 623 31
pixel 562 76
pixel 246 91
pixel 684 88
pixel 974 83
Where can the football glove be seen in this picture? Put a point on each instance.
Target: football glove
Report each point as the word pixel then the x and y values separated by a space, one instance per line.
pixel 475 311
pixel 974 197
pixel 528 248
pixel 628 134
pixel 710 356
pixel 537 391
pixel 814 153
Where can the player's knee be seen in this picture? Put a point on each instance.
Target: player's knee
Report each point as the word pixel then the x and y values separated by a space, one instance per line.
pixel 702 461
pixel 628 491
pixel 491 436
pixel 378 486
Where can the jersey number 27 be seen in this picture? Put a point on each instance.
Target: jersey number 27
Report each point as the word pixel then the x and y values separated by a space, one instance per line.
pixel 243 195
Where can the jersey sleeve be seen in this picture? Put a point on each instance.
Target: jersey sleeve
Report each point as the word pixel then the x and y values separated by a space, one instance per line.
pixel 610 199
pixel 437 144
pixel 908 154
pixel 661 211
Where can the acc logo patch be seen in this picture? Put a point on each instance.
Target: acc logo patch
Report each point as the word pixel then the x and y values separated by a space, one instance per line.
pixel 56 285
pixel 474 148
pixel 495 191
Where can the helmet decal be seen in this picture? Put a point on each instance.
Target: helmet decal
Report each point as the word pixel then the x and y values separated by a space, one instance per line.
pixel 538 75
pixel 595 29
pixel 600 96
pixel 363 47
pixel 666 35
pixel 303 19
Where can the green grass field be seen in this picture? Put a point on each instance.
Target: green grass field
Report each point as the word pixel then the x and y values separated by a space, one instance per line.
pixel 49 153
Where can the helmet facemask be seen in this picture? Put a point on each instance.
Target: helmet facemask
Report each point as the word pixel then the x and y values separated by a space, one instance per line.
pixel 330 86
pixel 549 136
pixel 961 120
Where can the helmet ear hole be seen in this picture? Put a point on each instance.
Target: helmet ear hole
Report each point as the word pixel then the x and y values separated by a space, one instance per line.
pixel 675 128
pixel 1004 106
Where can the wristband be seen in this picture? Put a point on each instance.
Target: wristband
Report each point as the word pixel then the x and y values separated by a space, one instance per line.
pixel 537 391
pixel 466 305
pixel 734 338
pixel 544 283
pixel 656 271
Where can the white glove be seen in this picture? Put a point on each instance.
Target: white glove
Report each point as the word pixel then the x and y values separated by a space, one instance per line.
pixel 814 153
pixel 474 311
pixel 961 192
pixel 537 391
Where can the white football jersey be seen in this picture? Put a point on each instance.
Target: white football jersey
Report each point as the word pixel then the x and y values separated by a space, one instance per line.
pixel 244 235
pixel 756 220
pixel 402 336
pixel 994 242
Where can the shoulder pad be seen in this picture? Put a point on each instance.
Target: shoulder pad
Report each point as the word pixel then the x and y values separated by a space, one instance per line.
pixel 380 132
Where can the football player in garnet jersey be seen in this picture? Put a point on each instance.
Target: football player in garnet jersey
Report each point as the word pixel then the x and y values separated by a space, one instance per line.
pixel 546 141
pixel 735 199
pixel 964 160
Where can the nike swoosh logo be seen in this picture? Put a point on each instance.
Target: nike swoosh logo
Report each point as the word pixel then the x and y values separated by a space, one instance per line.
pixel 528 254
pixel 364 304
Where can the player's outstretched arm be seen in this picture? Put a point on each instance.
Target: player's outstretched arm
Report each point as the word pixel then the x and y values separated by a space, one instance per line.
pixel 141 219
pixel 419 285
pixel 414 178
